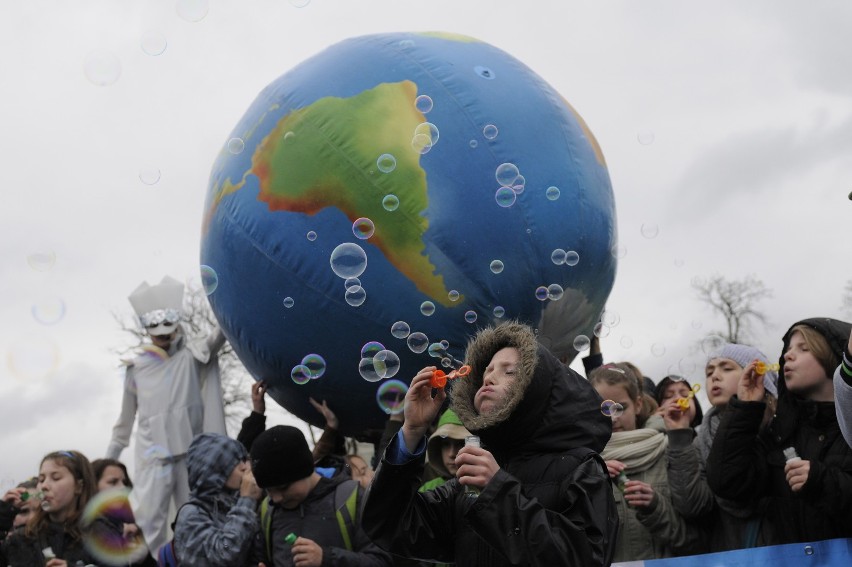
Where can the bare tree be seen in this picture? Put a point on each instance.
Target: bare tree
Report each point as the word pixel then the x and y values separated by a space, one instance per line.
pixel 736 301
pixel 198 320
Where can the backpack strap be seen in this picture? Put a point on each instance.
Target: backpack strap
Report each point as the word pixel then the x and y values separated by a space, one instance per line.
pixel 346 510
pixel 266 526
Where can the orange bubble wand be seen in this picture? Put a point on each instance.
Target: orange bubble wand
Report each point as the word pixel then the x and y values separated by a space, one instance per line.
pixel 683 403
pixel 439 377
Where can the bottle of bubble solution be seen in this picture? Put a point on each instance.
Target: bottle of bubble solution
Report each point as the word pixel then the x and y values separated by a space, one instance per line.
pixel 291 538
pixel 471 441
pixel 791 455
pixel 620 480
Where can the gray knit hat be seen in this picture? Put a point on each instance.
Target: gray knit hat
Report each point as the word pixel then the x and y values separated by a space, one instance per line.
pixel 743 355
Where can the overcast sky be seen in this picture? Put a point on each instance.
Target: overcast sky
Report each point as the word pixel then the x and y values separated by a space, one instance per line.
pixel 727 128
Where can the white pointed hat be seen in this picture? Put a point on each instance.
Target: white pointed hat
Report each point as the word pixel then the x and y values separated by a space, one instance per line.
pixel 159 306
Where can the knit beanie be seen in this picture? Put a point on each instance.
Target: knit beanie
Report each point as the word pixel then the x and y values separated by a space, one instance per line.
pixel 743 355
pixel 280 455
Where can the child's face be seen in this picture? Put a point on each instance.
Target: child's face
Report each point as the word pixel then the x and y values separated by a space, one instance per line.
pixel 291 495
pixel 60 489
pixel 26 510
pixel 449 450
pixel 112 477
pixel 236 478
pixel 360 471
pixel 497 380
pixel 723 375
pixel 618 394
pixel 677 390
pixel 803 373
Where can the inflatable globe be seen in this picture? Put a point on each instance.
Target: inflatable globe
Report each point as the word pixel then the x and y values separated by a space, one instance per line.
pixel 383 200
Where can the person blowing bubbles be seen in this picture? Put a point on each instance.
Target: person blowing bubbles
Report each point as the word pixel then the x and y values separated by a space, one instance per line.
pixel 750 464
pixel 544 495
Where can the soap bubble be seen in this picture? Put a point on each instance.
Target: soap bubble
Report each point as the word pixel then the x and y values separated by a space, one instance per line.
pixel 367 369
pixel 236 146
pixel 581 343
pixel 192 10
pixel 371 349
pixel 417 342
pixel 658 349
pixel 423 103
pixel 391 397
pixel 400 329
pixel 611 409
pixel 427 308
pixel 386 363
pixel 42 261
pixel 650 230
pixel 554 292
pixel 558 256
pixel 209 279
pixel 645 137
pixel 490 131
pixel 315 365
pixel 348 260
pixel 288 302
pixel 363 228
pixel 110 547
pixel 711 343
pixel 496 266
pixel 300 374
pixel 386 163
pixel 571 258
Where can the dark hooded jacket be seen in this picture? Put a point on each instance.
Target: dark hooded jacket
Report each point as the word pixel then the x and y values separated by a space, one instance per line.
pixel 216 526
pixel 744 464
pixel 549 504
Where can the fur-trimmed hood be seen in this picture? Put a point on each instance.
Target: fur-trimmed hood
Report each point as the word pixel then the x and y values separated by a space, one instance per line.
pixel 549 409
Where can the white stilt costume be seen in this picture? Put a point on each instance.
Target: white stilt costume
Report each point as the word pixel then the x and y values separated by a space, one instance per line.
pixel 176 395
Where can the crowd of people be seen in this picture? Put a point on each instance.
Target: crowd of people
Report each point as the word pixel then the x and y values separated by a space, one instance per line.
pixel 525 462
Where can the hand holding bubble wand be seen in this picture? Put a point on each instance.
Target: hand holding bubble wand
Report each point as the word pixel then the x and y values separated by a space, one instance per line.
pixel 439 377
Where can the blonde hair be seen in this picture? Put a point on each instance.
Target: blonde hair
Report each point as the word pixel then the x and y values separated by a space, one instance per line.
pixel 819 347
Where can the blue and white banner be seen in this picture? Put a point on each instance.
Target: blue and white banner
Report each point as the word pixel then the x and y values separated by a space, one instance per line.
pixel 828 553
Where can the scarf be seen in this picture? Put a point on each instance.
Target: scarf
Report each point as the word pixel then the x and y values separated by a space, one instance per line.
pixel 639 449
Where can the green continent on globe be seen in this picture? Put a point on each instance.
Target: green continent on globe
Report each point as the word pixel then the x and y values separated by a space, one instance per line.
pixel 325 155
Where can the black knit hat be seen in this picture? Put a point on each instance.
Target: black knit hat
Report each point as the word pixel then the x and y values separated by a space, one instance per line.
pixel 280 455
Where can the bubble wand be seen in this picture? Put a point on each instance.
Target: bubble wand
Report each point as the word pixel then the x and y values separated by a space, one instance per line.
pixel 683 403
pixel 439 377
pixel 761 368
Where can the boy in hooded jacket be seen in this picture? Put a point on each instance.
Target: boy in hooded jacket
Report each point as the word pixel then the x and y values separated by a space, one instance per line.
pixel 322 514
pixel 806 496
pixel 218 524
pixel 545 495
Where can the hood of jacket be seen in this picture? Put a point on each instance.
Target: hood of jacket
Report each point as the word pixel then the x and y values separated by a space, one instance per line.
pixel 549 408
pixel 210 460
pixel 835 332
pixel 449 427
